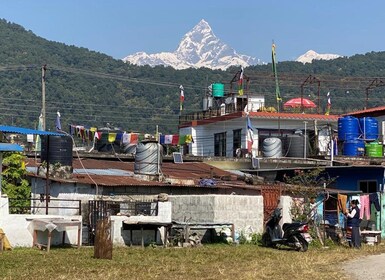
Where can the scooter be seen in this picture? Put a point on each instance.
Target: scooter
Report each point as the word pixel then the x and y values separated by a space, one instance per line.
pixel 293 233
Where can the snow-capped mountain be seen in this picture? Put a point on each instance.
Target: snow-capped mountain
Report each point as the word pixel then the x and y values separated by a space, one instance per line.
pixel 310 55
pixel 198 48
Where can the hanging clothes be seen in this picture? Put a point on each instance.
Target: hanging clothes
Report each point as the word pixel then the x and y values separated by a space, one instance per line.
pixel 373 199
pixel 342 200
pixel 365 207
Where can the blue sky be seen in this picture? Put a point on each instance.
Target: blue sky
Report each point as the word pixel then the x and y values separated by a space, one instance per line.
pixel 119 28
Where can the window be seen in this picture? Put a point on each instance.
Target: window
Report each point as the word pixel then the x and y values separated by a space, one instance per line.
pixel 368 186
pixel 236 140
pixel 220 144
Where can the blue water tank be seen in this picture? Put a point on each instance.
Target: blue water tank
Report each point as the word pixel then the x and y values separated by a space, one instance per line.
pixel 369 128
pixel 354 147
pixel 348 128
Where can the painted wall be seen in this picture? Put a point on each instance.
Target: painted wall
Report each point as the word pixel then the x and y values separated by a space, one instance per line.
pixel 347 178
pixel 19 232
pixel 203 135
pixel 18 229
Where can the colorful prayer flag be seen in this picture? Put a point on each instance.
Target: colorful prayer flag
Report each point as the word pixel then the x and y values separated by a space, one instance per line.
pixel 274 66
pixel 57 122
pixel 181 97
pixel 249 135
pixel 240 82
pixel 329 104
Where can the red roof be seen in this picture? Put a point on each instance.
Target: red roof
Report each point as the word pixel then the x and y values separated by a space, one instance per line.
pixel 262 115
pixel 371 112
pixel 292 116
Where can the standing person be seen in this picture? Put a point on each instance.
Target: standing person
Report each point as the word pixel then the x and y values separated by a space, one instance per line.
pixel 354 222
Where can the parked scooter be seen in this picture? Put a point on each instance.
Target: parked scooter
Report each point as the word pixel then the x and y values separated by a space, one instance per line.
pixel 293 233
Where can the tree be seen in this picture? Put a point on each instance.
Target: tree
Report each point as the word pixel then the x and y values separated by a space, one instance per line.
pixel 305 185
pixel 14 183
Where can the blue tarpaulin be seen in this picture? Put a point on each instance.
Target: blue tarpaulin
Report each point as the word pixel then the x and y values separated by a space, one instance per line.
pixel 21 130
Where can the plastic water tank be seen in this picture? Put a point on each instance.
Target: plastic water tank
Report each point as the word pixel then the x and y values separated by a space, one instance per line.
pixel 348 128
pixel 374 149
pixel 56 149
pixel 296 145
pixel 355 147
pixel 218 90
pixel 148 158
pixel 272 147
pixel 369 128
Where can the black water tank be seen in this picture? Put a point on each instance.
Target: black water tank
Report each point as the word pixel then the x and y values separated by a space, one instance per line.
pixel 296 145
pixel 58 150
pixel 103 145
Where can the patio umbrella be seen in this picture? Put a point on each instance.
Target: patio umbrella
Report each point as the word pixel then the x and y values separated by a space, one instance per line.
pixel 296 103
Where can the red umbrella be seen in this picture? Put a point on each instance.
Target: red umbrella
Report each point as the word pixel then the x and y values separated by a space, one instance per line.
pixel 296 103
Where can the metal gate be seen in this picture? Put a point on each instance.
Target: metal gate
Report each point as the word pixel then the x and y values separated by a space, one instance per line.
pixel 271 196
pixel 98 210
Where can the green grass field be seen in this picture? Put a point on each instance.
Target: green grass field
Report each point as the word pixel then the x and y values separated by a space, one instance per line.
pixel 206 262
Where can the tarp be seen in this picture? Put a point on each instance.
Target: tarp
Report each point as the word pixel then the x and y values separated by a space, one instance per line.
pixel 21 130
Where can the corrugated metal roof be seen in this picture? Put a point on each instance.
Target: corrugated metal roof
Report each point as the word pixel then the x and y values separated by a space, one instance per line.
pixel 21 130
pixel 117 173
pixel 294 116
pixel 371 112
pixel 8 147
pixel 108 172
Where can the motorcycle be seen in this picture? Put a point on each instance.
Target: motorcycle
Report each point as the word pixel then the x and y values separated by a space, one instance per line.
pixel 294 234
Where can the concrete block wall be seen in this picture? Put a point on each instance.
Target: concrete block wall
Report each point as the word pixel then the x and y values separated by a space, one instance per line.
pixel 241 210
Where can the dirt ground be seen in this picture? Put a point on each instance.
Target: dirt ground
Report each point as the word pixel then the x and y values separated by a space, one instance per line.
pixel 368 268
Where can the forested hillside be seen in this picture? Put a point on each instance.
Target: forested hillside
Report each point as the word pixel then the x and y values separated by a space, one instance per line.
pixel 93 89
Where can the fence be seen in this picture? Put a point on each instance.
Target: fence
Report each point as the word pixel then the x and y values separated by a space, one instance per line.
pixel 29 206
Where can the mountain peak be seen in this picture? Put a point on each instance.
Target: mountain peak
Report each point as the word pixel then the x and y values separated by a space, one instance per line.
pixel 311 55
pixel 203 23
pixel 198 48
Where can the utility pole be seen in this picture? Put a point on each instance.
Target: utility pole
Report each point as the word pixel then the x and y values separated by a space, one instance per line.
pixel 305 140
pixel 43 70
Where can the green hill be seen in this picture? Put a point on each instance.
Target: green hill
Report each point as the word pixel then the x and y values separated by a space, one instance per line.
pixel 93 89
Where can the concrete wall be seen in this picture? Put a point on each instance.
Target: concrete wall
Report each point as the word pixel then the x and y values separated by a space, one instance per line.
pixel 17 230
pixel 16 227
pixel 121 237
pixel 242 211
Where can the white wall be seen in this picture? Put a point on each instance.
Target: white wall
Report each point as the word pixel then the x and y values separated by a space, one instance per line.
pixel 204 134
pixel 16 228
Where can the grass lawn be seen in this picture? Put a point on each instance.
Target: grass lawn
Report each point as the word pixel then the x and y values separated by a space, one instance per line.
pixel 206 262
